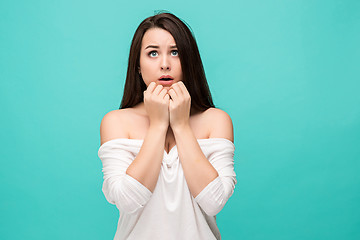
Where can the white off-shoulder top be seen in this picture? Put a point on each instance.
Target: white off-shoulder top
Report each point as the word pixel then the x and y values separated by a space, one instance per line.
pixel 170 212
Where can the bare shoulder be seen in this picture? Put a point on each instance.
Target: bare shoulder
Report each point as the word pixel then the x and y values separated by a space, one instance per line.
pixel 114 125
pixel 221 125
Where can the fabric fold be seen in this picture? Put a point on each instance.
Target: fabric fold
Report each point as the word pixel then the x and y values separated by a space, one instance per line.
pixel 120 189
pixel 214 196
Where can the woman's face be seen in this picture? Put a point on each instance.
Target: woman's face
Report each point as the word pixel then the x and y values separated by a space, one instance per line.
pixel 159 58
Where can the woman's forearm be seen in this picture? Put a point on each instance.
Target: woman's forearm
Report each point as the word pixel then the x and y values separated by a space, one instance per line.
pixel 198 170
pixel 146 166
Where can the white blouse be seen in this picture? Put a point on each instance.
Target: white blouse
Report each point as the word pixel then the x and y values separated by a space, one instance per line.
pixel 170 212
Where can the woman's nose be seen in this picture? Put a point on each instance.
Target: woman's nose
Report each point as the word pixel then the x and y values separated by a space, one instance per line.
pixel 165 63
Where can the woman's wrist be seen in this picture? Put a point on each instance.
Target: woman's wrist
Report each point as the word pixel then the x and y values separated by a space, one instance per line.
pixel 181 127
pixel 162 127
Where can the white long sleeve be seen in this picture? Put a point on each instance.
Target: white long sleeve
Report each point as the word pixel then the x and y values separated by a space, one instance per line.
pixel 213 197
pixel 121 189
pixel 170 212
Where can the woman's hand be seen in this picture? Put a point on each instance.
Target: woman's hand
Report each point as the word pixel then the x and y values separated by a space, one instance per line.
pixel 180 104
pixel 156 102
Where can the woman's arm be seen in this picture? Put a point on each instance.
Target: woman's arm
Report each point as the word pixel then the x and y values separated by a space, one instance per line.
pixel 128 191
pixel 211 181
pixel 198 171
pixel 145 168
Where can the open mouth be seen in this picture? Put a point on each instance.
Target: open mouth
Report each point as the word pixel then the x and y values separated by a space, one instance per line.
pixel 166 81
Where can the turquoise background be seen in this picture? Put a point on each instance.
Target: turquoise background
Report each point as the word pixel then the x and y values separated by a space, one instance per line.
pixel 287 72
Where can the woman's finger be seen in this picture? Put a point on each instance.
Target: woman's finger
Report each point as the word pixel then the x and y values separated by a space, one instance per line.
pixel 158 89
pixel 173 94
pixel 177 89
pixel 183 88
pixel 151 87
pixel 162 93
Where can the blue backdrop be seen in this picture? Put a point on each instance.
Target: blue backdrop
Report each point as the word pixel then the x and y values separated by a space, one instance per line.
pixel 287 72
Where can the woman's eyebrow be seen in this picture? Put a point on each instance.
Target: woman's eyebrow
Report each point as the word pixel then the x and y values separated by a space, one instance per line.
pixel 155 46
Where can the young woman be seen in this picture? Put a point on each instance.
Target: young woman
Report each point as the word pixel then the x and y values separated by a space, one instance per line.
pixel 167 153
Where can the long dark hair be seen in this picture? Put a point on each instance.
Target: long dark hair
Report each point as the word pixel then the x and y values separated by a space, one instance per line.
pixel 192 68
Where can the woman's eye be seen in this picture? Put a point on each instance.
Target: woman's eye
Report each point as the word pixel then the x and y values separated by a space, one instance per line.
pixel 153 54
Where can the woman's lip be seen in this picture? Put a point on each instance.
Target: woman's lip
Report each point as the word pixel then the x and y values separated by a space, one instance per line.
pixel 166 76
pixel 168 82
